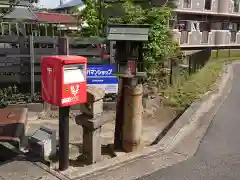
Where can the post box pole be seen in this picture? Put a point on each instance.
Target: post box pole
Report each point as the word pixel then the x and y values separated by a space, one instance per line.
pixel 63 138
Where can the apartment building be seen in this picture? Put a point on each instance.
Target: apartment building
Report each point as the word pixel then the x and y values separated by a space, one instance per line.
pixel 207 23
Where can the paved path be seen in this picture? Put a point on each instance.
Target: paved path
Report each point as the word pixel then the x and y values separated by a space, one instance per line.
pixel 218 156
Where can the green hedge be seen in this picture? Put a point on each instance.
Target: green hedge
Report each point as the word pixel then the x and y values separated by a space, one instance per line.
pixel 195 86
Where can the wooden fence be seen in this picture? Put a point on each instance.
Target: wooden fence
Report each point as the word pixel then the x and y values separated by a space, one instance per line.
pixel 20 60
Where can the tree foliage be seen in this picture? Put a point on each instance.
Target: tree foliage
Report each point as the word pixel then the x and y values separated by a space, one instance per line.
pixel 160 45
pixel 90 15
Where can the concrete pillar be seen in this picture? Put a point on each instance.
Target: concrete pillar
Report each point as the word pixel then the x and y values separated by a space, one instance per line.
pixel 92 119
pixel 92 144
pixel 132 121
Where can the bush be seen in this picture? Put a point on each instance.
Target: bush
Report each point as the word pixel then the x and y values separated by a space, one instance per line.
pixel 195 86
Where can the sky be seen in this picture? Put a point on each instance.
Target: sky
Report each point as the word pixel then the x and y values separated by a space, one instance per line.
pixel 50 3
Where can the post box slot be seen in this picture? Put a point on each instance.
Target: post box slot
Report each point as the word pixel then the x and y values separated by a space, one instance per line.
pixel 74 74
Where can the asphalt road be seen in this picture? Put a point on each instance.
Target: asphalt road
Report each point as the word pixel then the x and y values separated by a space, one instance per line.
pixel 218 156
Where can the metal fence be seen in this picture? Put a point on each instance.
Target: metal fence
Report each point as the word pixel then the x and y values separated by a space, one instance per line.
pixel 170 72
pixel 20 62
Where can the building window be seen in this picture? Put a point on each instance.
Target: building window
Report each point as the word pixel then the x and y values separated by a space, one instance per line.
pixel 208 4
pixel 233 36
pixel 235 6
pixel 187 4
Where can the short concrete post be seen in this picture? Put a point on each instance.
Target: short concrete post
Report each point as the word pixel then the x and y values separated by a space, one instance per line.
pixel 133 109
pixel 92 144
pixel 92 120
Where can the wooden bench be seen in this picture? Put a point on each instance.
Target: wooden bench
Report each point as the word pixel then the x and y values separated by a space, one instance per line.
pixel 12 125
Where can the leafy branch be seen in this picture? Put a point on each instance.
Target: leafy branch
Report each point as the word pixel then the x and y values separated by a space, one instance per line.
pixel 160 45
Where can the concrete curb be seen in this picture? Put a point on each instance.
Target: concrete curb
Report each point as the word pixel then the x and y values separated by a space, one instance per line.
pixel 184 136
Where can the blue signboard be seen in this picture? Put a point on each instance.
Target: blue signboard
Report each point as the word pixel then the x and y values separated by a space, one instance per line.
pixel 102 76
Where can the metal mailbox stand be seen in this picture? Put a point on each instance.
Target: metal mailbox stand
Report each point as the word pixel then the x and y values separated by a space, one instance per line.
pixel 54 79
pixel 63 137
pixel 63 119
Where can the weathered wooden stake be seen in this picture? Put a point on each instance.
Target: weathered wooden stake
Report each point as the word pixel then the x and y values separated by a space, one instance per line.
pixel 63 48
pixel 32 64
pixel 133 109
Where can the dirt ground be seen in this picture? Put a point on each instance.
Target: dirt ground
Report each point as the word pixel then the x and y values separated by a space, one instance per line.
pixel 155 120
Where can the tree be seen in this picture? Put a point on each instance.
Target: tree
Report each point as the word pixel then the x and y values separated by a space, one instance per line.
pixel 160 44
pixel 89 18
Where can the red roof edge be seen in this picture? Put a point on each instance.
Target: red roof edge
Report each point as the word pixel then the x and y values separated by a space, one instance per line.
pixel 55 17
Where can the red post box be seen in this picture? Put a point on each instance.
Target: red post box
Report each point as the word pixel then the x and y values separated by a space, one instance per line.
pixel 64 84
pixel 64 80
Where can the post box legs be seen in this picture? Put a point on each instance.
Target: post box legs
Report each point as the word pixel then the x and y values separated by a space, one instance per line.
pixel 63 138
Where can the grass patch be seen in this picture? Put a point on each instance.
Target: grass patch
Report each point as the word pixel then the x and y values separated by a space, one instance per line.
pixel 224 53
pixel 195 86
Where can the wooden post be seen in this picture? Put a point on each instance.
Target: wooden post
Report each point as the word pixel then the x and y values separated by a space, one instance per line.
pixel 23 60
pixel 2 26
pixel 32 64
pixel 189 65
pixel 63 48
pixel 17 28
pixel 53 30
pixel 171 71
pixel 31 29
pixel 112 55
pixel 132 116
pixel 9 29
pixel 46 30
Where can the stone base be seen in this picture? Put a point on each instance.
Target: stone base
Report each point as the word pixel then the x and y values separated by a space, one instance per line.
pixel 92 145
pixel 91 136
pixel 130 146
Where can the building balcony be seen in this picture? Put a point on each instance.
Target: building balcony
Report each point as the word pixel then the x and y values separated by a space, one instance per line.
pixel 198 6
pixel 194 38
pixel 222 37
pixel 229 7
